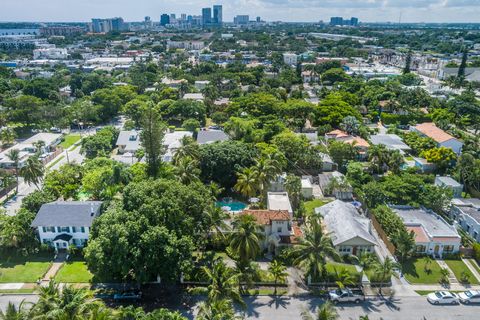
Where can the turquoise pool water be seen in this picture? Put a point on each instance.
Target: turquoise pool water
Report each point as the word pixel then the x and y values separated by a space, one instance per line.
pixel 233 205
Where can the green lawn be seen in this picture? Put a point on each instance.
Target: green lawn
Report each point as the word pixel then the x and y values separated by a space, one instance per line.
pixel 474 263
pixel 414 271
pixel 74 272
pixel 312 204
pixel 332 266
pixel 23 269
pixel 70 139
pixel 458 267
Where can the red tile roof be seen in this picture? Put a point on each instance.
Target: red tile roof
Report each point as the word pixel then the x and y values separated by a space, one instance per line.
pixel 420 235
pixel 431 130
pixel 265 217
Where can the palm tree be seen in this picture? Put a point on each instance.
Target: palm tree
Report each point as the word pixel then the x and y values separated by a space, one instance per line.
pixel 344 278
pixel 247 183
pixel 216 310
pixel 384 271
pixel 325 312
pixel 14 156
pixel 245 238
pixel 188 148
pixel 7 136
pixel 187 170
pixel 279 273
pixel 14 313
pixel 313 249
pixel 223 283
pixel 428 264
pixel 38 146
pixel 33 171
pixel 404 244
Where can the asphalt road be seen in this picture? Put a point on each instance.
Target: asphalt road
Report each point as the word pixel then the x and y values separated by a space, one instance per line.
pixel 289 308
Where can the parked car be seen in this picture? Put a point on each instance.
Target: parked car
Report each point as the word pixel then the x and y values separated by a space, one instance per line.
pixel 346 295
pixel 470 296
pixel 127 296
pixel 443 297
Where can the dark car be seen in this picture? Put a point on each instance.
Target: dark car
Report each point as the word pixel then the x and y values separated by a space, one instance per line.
pixel 127 296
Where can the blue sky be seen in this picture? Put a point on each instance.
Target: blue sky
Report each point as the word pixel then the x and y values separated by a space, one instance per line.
pixel 285 10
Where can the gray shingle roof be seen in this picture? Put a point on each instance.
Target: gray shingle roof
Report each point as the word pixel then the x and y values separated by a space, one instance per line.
pixel 67 214
pixel 344 222
pixel 211 136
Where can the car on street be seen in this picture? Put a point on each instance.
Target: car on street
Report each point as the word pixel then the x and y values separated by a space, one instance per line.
pixel 470 296
pixel 127 296
pixel 346 295
pixel 443 297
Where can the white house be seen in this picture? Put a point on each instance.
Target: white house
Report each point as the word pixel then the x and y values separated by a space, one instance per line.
pixel 433 235
pixel 343 191
pixel 279 201
pixel 466 212
pixel 450 183
pixel 290 58
pixel 277 228
pixel 62 223
pixel 29 147
pixel 128 141
pixel 350 232
pixel 442 138
pixel 307 188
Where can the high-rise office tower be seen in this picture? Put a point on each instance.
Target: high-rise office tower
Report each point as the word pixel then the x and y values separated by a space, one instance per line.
pixel 164 19
pixel 183 17
pixel 173 16
pixel 218 14
pixel 354 21
pixel 206 16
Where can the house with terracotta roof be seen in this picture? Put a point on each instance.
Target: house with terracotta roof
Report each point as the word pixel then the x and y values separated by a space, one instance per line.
pixel 277 227
pixel 361 144
pixel 433 235
pixel 442 138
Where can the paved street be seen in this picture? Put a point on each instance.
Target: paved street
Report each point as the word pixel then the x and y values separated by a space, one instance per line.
pixel 16 299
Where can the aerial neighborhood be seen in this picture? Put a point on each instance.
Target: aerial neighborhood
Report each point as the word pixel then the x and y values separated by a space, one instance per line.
pixel 196 168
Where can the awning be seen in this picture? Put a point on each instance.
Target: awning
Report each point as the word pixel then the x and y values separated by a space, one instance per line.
pixel 63 237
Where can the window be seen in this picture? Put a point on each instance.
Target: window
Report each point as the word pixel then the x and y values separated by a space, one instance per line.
pixel 50 229
pixel 279 229
pixel 82 229
pixel 447 249
pixel 475 235
pixel 63 229
pixel 421 249
pixel 74 229
pixel 344 249
pixel 44 229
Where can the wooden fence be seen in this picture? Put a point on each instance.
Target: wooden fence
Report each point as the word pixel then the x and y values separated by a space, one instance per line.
pixel 382 235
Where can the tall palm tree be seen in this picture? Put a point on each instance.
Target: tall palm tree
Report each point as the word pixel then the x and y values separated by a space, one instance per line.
pixel 33 171
pixel 223 283
pixel 245 238
pixel 325 312
pixel 187 170
pixel 384 271
pixel 247 183
pixel 279 273
pixel 188 148
pixel 14 156
pixel 313 249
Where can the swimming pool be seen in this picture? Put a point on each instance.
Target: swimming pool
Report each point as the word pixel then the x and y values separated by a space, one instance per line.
pixel 232 204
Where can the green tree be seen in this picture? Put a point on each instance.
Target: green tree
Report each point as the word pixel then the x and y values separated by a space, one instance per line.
pixel 313 249
pixel 404 244
pixel 463 64
pixel 152 140
pixel 341 153
pixel 14 313
pixel 223 283
pixel 408 62
pixel 33 171
pixel 245 238
pixel 443 157
pixel 279 273
pixel 384 271
pixel 14 156
pixel 247 183
pixel 187 171
pixel 325 312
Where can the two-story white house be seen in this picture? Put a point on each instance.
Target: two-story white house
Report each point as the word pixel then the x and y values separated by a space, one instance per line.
pixel 467 214
pixel 277 228
pixel 62 223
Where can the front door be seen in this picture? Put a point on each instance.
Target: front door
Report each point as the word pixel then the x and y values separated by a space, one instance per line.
pixel 436 250
pixel 354 250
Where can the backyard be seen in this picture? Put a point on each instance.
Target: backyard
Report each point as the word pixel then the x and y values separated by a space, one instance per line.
pixel 312 204
pixel 416 272
pixel 16 269
pixel 74 272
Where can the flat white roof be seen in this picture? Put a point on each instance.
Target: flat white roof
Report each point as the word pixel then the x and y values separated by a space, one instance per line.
pixel 279 201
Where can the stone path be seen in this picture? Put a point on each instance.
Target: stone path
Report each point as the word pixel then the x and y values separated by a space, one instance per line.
pixel 56 265
pixel 451 277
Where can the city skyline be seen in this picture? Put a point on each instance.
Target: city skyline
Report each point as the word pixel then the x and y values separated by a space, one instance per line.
pixel 271 10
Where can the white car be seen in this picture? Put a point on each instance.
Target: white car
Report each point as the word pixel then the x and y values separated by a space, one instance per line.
pixel 470 296
pixel 443 297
